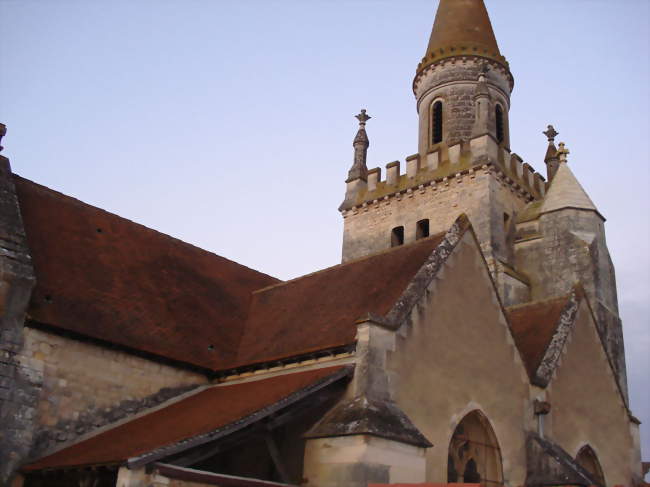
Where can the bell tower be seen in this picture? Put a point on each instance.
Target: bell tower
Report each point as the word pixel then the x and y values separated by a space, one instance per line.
pixel 463 83
pixel 463 162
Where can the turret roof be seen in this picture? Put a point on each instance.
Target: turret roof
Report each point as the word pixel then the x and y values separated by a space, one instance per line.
pixel 462 27
pixel 566 192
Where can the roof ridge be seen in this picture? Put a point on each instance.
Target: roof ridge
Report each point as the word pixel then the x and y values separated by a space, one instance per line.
pixel 176 240
pixel 343 264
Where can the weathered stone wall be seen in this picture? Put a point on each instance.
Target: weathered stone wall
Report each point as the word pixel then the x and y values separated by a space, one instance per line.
pixel 457 355
pixel 570 247
pixel 18 384
pixel 587 408
pixel 484 198
pixel 454 82
pixel 83 385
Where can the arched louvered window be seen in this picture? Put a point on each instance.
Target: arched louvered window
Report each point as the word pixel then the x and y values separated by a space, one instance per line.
pixel 499 121
pixel 436 122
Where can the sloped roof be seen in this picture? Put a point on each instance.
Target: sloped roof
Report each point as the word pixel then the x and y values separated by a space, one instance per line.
pixel 533 326
pixel 205 413
pixel 566 192
pixel 318 311
pixel 109 278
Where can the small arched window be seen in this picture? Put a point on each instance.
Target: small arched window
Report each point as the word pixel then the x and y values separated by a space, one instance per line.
pixel 436 122
pixel 474 455
pixel 588 460
pixel 499 121
pixel 397 237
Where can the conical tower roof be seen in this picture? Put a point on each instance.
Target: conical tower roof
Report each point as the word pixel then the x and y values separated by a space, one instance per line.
pixel 462 28
pixel 566 192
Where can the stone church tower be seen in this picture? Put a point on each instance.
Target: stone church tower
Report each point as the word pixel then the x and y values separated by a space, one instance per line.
pixel 540 236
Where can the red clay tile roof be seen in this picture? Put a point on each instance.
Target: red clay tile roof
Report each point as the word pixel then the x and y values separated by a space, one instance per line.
pixel 198 414
pixel 318 311
pixel 109 278
pixel 533 326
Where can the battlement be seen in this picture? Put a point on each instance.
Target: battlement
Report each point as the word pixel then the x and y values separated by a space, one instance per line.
pixel 446 163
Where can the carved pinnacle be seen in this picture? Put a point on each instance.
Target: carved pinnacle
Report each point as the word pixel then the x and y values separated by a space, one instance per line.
pixel 562 152
pixel 363 117
pixel 551 133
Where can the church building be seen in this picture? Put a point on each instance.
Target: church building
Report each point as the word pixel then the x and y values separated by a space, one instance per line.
pixel 470 335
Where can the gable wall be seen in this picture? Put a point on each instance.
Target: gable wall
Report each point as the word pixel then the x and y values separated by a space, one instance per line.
pixel 84 385
pixel 456 356
pixel 587 407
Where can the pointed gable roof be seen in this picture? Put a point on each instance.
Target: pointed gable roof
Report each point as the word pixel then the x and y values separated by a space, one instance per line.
pixel 566 192
pixel 318 311
pixel 533 327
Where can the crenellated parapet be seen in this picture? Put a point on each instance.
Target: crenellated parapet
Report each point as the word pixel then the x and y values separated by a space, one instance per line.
pixel 448 164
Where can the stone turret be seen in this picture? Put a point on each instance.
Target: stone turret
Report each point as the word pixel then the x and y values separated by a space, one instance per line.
pixel 463 163
pixel 560 242
pixel 462 80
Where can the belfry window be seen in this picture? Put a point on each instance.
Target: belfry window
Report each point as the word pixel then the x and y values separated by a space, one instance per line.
pixel 422 229
pixel 436 122
pixel 499 122
pixel 397 237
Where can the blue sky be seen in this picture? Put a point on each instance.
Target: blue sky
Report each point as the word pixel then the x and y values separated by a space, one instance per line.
pixel 229 124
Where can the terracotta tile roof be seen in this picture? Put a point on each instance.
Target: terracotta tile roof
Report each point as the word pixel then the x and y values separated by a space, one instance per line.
pixel 204 412
pixel 533 326
pixel 318 311
pixel 109 278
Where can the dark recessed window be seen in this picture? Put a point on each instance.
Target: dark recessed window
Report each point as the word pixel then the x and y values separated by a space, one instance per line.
pixel 397 237
pixel 436 122
pixel 499 121
pixel 422 229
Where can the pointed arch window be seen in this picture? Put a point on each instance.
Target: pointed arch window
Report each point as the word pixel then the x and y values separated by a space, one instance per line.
pixel 588 460
pixel 498 115
pixel 474 455
pixel 436 122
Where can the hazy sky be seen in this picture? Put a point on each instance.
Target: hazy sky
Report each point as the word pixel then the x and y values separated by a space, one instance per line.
pixel 229 124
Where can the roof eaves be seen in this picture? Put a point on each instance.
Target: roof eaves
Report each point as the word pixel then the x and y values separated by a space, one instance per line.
pixel 167 450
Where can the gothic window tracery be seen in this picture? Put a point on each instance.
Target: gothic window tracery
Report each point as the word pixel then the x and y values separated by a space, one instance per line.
pixel 474 454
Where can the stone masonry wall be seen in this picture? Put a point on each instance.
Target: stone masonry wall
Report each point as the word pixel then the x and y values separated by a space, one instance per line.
pixel 84 386
pixel 571 248
pixel 480 195
pixel 454 82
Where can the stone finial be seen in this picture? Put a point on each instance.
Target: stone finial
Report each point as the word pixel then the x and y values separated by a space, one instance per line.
pixel 363 117
pixel 359 170
pixel 562 152
pixel 3 132
pixel 551 133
